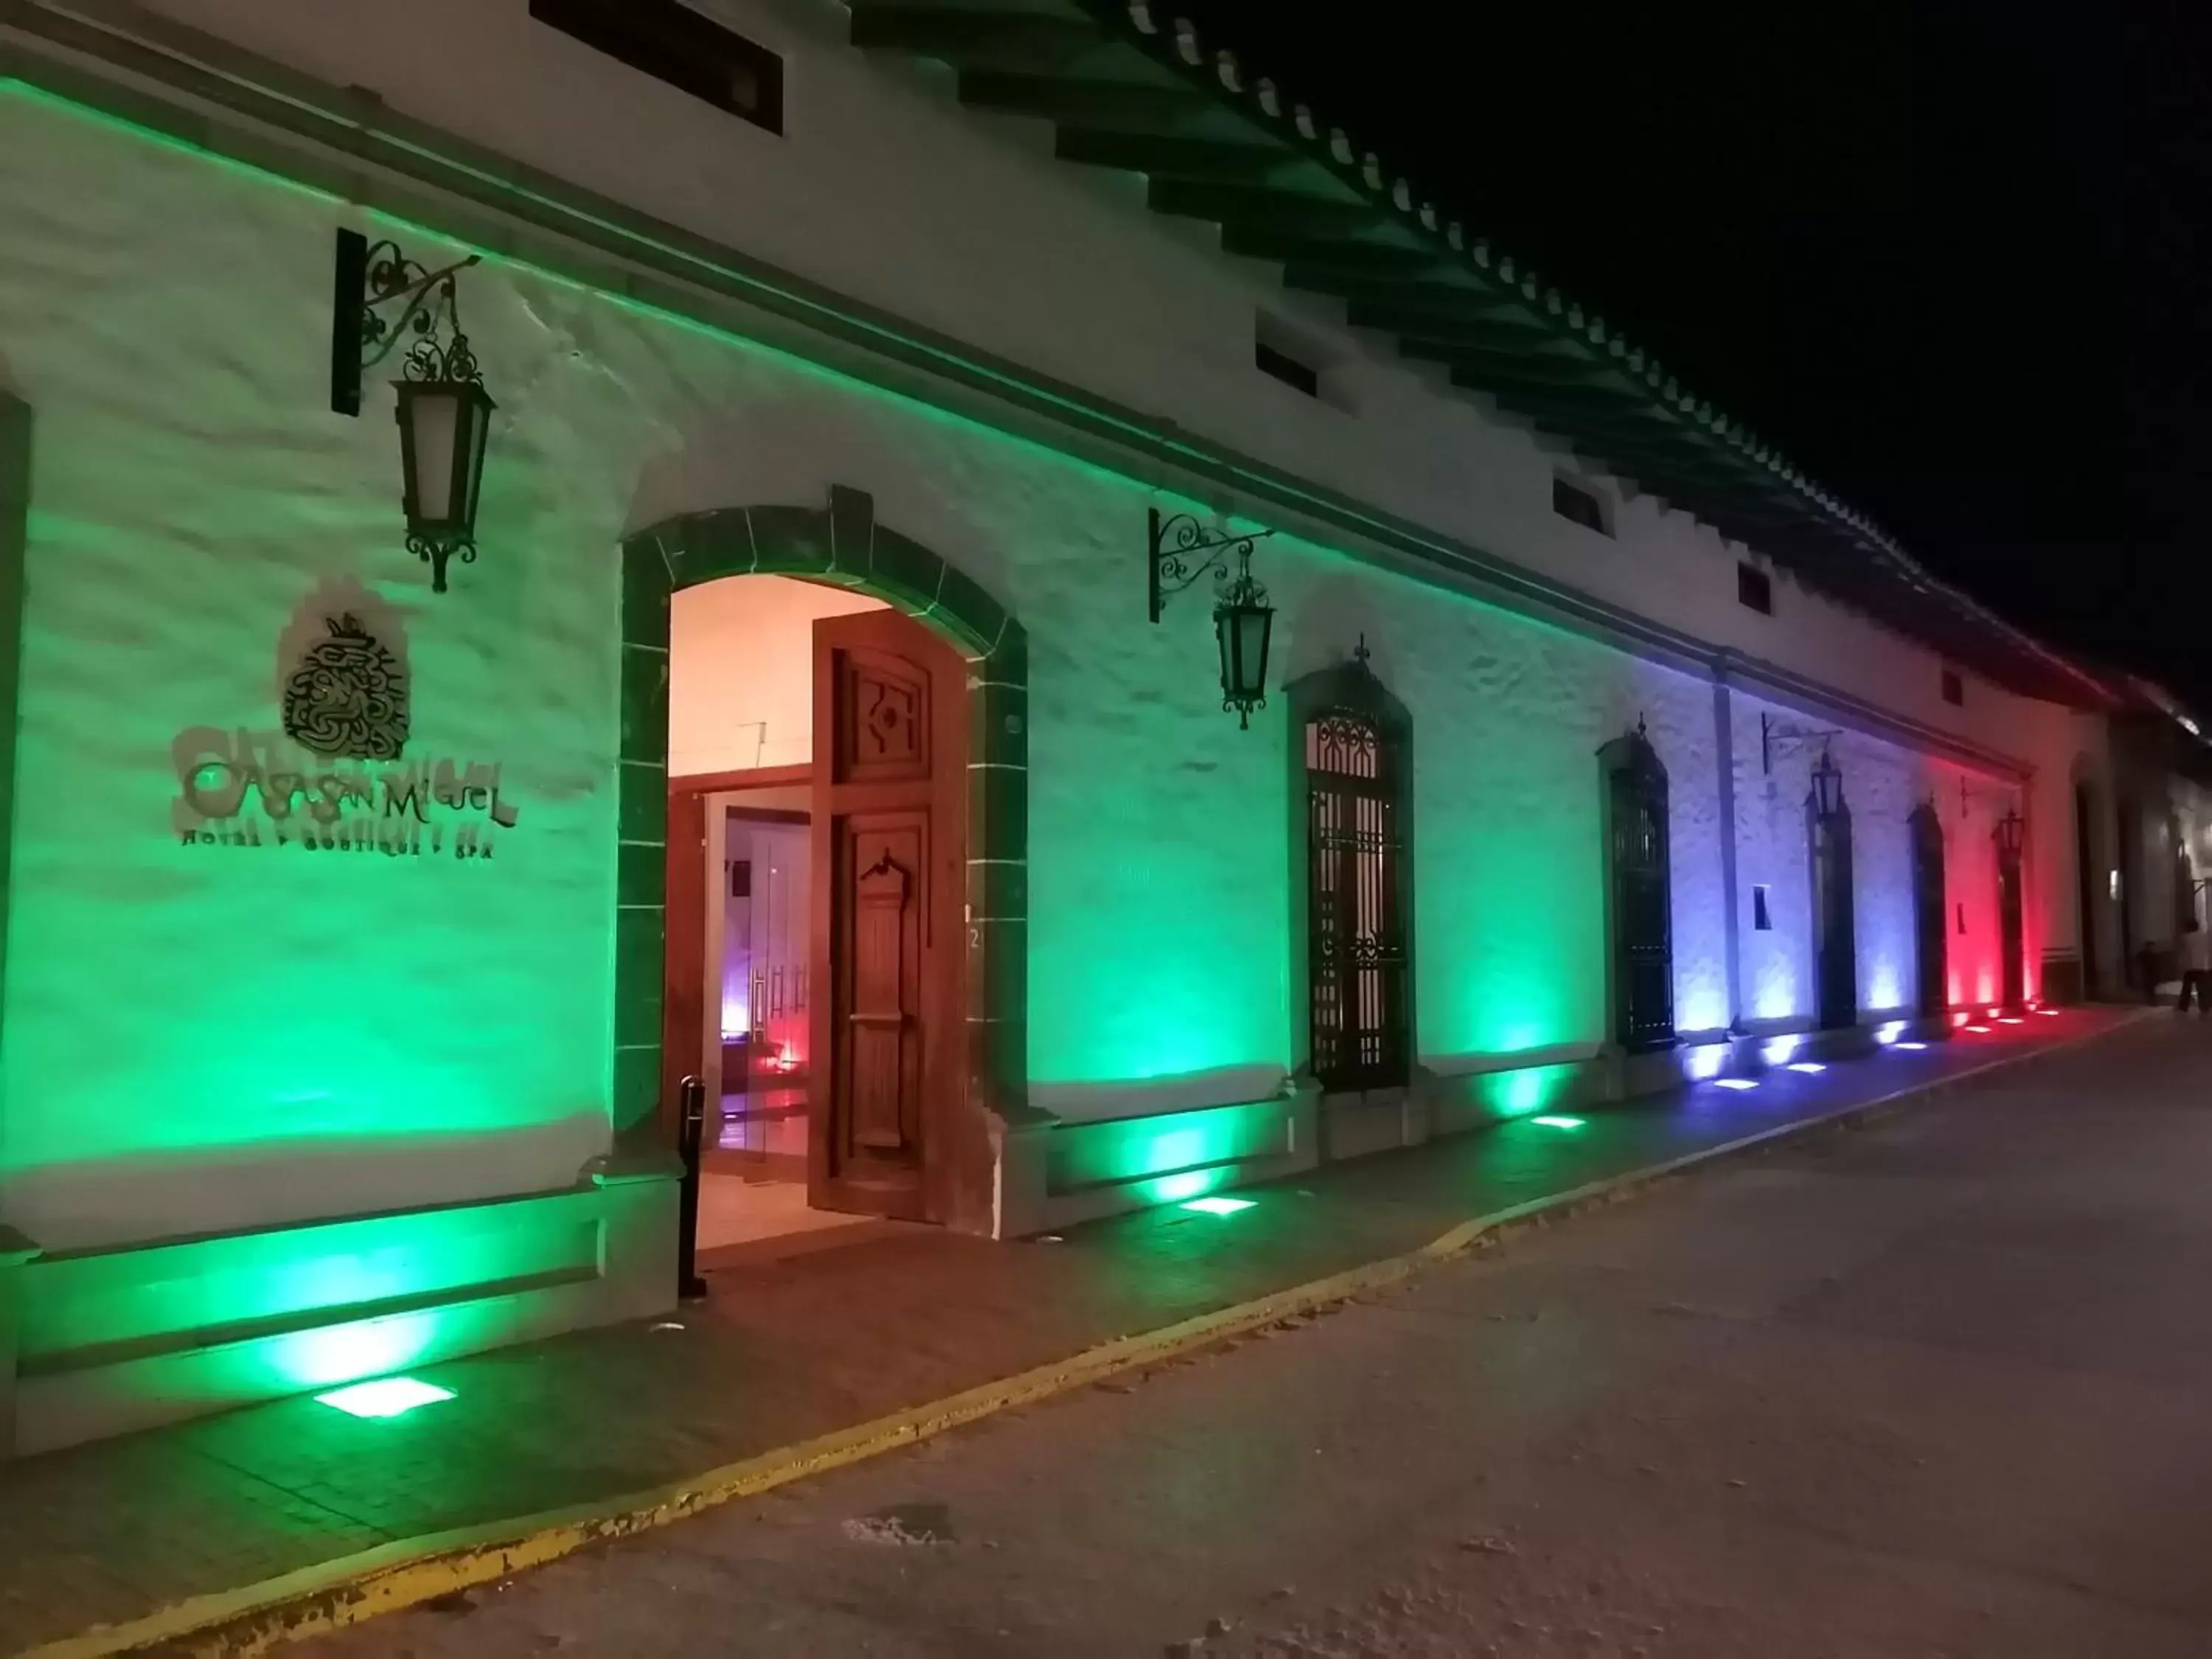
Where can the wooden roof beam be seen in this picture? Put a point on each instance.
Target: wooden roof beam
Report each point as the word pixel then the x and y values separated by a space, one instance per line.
pixel 1362 259
pixel 1159 157
pixel 1264 212
pixel 1112 106
pixel 1028 42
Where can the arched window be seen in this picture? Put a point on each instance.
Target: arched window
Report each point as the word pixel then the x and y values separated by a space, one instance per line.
pixel 1640 893
pixel 1353 767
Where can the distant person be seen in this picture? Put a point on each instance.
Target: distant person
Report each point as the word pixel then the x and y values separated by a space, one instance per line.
pixel 2196 967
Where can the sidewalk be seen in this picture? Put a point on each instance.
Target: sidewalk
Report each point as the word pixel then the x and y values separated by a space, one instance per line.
pixel 787 1350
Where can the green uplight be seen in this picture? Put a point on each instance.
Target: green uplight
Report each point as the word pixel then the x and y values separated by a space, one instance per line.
pixel 388 1396
pixel 1559 1122
pixel 1219 1206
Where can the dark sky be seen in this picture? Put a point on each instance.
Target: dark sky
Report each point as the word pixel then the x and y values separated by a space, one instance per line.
pixel 1952 257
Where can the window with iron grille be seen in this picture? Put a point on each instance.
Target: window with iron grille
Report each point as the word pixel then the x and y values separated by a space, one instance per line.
pixel 1358 955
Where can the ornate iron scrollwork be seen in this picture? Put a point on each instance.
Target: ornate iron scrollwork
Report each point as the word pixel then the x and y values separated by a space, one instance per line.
pixel 1181 552
pixel 426 302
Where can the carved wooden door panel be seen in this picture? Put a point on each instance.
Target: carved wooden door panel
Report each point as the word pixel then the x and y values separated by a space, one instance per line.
pixel 889 789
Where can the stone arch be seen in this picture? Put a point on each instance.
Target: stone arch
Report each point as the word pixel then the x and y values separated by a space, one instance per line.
pixel 843 546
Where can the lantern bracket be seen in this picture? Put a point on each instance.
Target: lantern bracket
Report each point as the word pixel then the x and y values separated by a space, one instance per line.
pixel 380 299
pixel 1781 736
pixel 1181 552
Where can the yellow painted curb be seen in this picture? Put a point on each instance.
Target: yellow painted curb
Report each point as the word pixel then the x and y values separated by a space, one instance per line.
pixel 333 1595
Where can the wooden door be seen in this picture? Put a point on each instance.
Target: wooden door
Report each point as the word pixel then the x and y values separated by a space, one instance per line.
pixel 889 883
pixel 1835 950
pixel 2012 935
pixel 1930 924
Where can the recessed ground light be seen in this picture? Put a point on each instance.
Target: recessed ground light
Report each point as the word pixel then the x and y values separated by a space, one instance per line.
pixel 1734 1083
pixel 1219 1206
pixel 1915 1046
pixel 1559 1122
pixel 2012 1019
pixel 388 1396
pixel 1813 1065
pixel 2048 1014
pixel 1980 1030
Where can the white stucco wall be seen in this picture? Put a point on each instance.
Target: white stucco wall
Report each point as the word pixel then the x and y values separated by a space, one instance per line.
pixel 884 188
pixel 210 1035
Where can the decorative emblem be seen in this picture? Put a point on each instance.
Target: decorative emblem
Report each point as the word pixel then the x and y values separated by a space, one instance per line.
pixel 348 696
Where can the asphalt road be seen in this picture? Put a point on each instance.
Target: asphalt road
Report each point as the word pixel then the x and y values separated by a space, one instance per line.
pixel 1939 1387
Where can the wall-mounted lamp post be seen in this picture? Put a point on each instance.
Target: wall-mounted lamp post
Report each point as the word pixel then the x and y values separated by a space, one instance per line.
pixel 1828 787
pixel 2010 832
pixel 381 298
pixel 1180 553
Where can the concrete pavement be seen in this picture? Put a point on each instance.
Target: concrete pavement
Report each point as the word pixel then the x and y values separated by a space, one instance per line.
pixel 1933 1388
pixel 796 1364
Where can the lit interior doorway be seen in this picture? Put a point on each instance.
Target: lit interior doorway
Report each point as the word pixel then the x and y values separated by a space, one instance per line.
pixel 740 911
pixel 815 868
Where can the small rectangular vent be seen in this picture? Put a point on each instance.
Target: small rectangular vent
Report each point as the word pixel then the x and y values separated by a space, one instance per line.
pixel 1269 360
pixel 1754 588
pixel 1572 502
pixel 671 42
pixel 1954 688
pixel 1762 919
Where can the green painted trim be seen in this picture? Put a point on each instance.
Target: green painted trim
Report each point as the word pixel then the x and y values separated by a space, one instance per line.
pixel 318 137
pixel 842 546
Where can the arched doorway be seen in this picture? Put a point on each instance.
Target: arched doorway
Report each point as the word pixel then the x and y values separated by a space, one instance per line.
pixel 916 787
pixel 1930 934
pixel 1835 940
pixel 2012 931
pixel 1639 890
pixel 2088 904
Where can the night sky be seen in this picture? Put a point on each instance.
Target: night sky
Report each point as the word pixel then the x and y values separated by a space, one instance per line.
pixel 1951 258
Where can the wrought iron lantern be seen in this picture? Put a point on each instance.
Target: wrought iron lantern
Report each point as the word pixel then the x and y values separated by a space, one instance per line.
pixel 1243 621
pixel 443 412
pixel 1828 787
pixel 2010 831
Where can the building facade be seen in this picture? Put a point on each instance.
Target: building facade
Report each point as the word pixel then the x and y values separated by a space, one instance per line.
pixel 804 723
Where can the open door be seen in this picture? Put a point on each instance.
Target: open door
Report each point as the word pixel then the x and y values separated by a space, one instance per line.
pixel 888 874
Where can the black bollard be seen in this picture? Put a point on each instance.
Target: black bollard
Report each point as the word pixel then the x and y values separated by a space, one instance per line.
pixel 692 1098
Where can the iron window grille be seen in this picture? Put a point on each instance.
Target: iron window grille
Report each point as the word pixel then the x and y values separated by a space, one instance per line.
pixel 1637 833
pixel 1358 939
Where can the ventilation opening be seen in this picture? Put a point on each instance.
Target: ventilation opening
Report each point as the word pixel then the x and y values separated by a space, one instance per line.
pixel 1273 360
pixel 1574 502
pixel 1954 687
pixel 672 43
pixel 1962 919
pixel 1762 918
pixel 1755 588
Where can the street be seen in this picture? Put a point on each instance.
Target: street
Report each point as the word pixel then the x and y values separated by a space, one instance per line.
pixel 1935 1388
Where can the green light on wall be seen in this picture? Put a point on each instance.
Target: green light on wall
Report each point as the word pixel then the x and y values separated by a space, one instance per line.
pixel 1219 1206
pixel 388 1396
pixel 1179 1188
